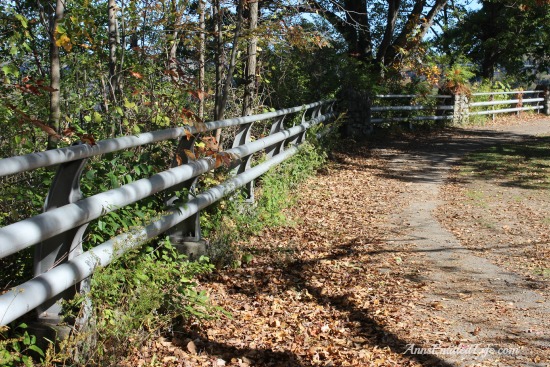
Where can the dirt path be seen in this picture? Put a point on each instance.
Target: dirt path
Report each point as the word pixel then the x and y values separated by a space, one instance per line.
pixel 471 303
pixel 386 256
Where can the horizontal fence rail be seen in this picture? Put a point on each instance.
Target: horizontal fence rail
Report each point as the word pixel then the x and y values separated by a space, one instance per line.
pixel 412 96
pixel 504 93
pixel 493 103
pixel 518 104
pixel 50 231
pixel 432 108
pixel 458 108
pixel 32 161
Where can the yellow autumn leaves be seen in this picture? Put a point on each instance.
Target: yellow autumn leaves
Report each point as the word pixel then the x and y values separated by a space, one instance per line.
pixel 61 39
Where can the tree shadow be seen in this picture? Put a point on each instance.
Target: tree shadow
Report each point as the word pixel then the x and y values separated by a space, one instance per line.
pixel 294 275
pixel 421 158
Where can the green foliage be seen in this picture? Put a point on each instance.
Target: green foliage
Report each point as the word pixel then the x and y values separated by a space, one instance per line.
pixel 457 80
pixel 232 221
pixel 16 347
pixel 22 196
pixel 141 295
pixel 501 37
pixel 295 76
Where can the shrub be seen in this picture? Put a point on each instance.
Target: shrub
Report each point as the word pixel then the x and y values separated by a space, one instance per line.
pixel 140 296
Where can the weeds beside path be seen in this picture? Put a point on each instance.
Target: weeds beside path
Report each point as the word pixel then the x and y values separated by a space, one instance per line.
pixel 368 271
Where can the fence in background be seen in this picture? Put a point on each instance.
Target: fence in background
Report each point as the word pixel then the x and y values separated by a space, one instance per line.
pixel 61 264
pixel 524 101
pixel 387 109
pixel 434 108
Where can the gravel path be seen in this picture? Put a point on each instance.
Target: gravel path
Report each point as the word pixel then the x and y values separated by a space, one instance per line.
pixel 484 310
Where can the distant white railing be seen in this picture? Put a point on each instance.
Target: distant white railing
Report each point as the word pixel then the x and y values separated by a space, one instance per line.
pixel 457 108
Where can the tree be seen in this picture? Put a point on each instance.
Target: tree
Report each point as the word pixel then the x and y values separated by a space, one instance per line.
pixel 250 70
pixel 401 24
pixel 55 72
pixel 503 35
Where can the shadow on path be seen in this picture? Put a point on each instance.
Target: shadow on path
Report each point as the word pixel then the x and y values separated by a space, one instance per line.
pixel 443 149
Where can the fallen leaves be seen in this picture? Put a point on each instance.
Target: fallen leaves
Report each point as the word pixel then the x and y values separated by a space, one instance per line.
pixel 508 225
pixel 333 290
pixel 314 295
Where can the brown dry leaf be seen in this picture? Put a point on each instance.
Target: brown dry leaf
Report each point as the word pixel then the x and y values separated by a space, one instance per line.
pixel 188 134
pixel 87 139
pixel 191 347
pixel 179 159
pixel 190 155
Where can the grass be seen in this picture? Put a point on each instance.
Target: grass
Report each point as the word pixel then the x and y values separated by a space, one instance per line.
pixel 477 196
pixel 524 164
pixel 545 272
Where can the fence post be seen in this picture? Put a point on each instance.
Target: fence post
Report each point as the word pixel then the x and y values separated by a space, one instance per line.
pixel 546 102
pixel 186 235
pixel 461 109
pixel 242 138
pixel 519 97
pixel 368 112
pixel 65 189
pixel 357 104
pixel 492 98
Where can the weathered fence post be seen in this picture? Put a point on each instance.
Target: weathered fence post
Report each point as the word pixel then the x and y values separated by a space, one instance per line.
pixel 185 236
pixel 242 138
pixel 65 189
pixel 546 108
pixel 461 109
pixel 357 104
pixel 491 99
pixel 368 112
pixel 519 104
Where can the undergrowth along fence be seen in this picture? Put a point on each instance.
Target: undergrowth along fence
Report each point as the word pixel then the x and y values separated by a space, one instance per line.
pixel 387 109
pixel 60 263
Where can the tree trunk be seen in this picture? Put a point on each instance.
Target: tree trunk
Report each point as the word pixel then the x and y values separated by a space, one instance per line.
pixel 415 22
pixel 428 22
pixel 403 38
pixel 202 52
pixel 250 70
pixel 173 37
pixel 393 12
pixel 112 45
pixel 218 24
pixel 232 62
pixel 357 17
pixel 113 81
pixel 353 25
pixel 55 75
